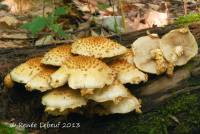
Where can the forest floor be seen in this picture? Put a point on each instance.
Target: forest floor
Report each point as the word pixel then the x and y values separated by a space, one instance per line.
pixel 53 22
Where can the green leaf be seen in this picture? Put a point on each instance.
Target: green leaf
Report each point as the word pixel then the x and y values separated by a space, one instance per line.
pixel 36 25
pixel 103 6
pixel 55 27
pixel 62 10
pixel 58 29
pixel 51 19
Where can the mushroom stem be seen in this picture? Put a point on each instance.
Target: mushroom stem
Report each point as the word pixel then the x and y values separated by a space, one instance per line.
pixel 170 70
pixel 138 109
pixel 138 106
pixel 178 50
pixel 118 99
pixel 157 55
pixel 89 91
pixel 183 30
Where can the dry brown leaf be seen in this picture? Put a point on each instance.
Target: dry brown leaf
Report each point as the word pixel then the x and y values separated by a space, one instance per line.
pixel 9 20
pixel 14 36
pixel 17 6
pixel 156 18
pixel 9 44
pixel 44 41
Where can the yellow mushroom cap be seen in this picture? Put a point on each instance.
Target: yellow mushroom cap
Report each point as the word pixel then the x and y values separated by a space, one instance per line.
pixel 128 73
pixel 179 46
pixel 83 72
pixel 99 47
pixel 126 105
pixel 57 56
pixel 41 80
pixel 26 71
pixel 142 48
pixel 63 98
pixel 114 92
pixel 8 82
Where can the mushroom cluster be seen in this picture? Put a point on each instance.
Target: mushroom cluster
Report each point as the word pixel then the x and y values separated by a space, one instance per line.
pixel 79 76
pixel 156 55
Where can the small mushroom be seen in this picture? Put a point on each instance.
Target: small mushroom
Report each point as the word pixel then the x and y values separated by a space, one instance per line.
pixel 128 73
pixel 99 47
pixel 41 80
pixel 126 105
pixel 179 46
pixel 114 92
pixel 147 56
pixel 83 72
pixel 57 56
pixel 24 72
pixel 8 82
pixel 62 99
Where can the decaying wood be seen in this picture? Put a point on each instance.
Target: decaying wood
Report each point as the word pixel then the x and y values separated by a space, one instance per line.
pixel 21 105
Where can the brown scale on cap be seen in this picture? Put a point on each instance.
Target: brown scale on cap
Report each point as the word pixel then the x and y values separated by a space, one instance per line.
pixel 57 56
pixel 26 71
pixel 128 73
pixel 99 47
pixel 41 80
pixel 83 72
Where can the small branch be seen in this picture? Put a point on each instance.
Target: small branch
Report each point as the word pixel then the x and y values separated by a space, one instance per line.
pixel 170 95
pixel 122 14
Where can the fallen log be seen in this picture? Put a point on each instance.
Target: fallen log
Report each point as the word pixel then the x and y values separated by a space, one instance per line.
pixel 20 105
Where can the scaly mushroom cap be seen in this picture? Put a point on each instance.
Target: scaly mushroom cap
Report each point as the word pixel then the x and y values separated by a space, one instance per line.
pixel 128 56
pixel 179 46
pixel 24 72
pixel 83 72
pixel 126 105
pixel 128 73
pixel 57 56
pixel 63 98
pixel 99 47
pixel 41 80
pixel 142 49
pixel 114 92
pixel 8 82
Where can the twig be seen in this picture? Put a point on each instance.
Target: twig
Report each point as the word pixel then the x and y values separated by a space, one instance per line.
pixel 122 14
pixel 43 9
